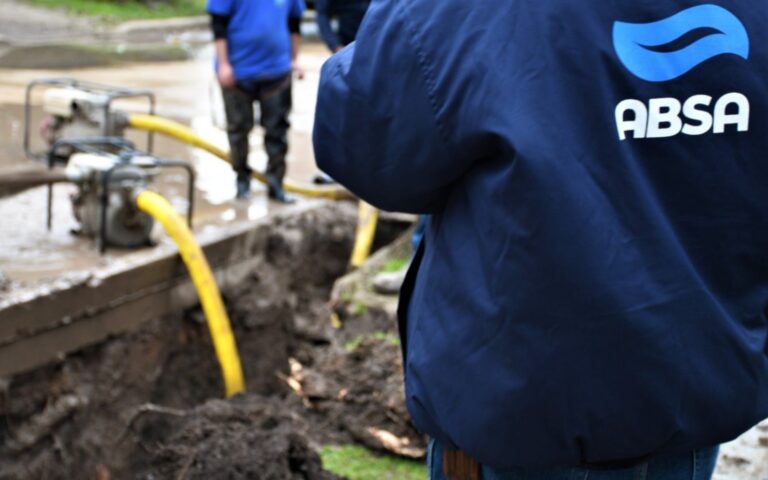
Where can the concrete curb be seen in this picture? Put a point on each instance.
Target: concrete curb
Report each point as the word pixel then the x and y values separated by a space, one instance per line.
pixel 156 30
pixel 83 55
pixel 40 324
pixel 165 24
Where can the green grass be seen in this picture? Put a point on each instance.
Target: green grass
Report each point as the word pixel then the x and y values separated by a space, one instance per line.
pixel 346 296
pixel 118 10
pixel 360 309
pixel 395 264
pixel 380 336
pixel 357 463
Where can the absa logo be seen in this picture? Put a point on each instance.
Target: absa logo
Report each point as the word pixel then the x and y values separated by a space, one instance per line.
pixel 667 49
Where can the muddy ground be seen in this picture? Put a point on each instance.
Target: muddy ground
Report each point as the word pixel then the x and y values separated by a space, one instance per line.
pixel 147 405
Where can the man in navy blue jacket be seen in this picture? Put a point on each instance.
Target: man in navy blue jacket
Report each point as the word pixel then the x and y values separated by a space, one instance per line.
pixel 592 287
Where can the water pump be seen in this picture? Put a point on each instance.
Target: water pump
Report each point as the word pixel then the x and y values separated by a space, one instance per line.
pixel 110 174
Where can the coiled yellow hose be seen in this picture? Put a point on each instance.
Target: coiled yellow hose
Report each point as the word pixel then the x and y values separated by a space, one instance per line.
pixel 202 277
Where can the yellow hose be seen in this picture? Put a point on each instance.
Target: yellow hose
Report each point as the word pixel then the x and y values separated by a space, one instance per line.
pixel 210 298
pixel 365 231
pixel 367 218
pixel 186 135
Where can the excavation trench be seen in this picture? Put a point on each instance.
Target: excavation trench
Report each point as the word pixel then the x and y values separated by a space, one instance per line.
pixel 148 405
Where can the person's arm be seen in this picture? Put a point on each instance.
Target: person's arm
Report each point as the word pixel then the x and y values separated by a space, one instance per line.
pixel 295 47
pixel 376 125
pixel 294 27
pixel 225 72
pixel 323 19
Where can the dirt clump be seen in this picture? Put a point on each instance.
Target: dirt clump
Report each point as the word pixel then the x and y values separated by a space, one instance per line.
pixel 247 437
pixel 353 389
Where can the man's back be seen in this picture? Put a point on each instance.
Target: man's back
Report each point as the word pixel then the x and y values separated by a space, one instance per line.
pixel 594 280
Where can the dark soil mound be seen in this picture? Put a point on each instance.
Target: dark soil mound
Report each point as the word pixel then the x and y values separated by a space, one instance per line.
pixel 248 437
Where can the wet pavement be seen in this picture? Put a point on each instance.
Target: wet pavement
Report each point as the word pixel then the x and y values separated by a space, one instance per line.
pixel 23 23
pixel 187 92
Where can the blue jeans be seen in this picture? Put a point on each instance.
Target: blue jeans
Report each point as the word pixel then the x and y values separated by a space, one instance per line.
pixel 696 465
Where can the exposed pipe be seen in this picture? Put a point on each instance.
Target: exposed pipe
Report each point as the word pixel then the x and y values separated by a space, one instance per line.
pixel 210 298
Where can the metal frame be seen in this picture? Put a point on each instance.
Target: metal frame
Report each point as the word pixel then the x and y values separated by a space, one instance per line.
pixel 112 93
pixel 125 152
pixel 83 145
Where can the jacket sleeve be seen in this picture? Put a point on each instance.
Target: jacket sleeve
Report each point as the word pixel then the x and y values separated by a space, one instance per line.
pixel 297 9
pixel 323 19
pixel 376 130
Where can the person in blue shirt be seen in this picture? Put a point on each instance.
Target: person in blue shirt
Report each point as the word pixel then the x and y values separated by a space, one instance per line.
pixel 348 13
pixel 589 299
pixel 257 42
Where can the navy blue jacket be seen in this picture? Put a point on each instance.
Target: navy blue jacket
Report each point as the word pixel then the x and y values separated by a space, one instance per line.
pixel 594 279
pixel 349 14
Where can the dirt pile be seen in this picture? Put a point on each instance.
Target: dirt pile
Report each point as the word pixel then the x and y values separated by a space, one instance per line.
pixel 356 392
pixel 245 438
pixel 145 405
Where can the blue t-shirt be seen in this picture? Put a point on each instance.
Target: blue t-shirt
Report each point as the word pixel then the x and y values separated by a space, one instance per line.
pixel 258 40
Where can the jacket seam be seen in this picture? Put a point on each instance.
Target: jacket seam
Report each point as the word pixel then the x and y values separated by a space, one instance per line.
pixel 426 73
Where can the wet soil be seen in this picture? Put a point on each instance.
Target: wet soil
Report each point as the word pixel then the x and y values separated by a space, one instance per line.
pixel 245 438
pixel 147 405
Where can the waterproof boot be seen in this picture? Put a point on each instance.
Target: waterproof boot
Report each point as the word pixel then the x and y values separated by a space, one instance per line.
pixel 276 192
pixel 243 188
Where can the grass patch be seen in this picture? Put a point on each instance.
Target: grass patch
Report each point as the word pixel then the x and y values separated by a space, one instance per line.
pixel 379 336
pixel 360 309
pixel 388 337
pixel 346 296
pixel 112 10
pixel 357 463
pixel 395 264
